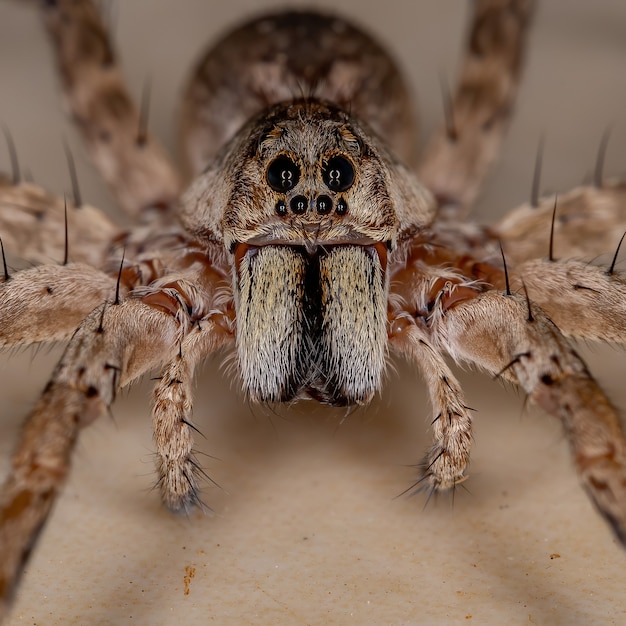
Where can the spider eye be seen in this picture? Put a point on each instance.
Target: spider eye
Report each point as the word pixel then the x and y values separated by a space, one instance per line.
pixel 282 174
pixel 324 205
pixel 299 205
pixel 338 174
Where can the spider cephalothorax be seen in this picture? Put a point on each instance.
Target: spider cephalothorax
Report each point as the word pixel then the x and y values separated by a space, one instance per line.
pixel 306 201
pixel 309 243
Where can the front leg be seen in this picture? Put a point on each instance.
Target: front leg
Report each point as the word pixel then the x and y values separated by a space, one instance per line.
pixel 419 287
pixel 177 468
pixel 509 336
pixel 446 462
pixel 48 302
pixel 114 345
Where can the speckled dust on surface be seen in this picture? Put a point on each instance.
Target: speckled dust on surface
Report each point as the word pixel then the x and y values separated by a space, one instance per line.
pixel 306 529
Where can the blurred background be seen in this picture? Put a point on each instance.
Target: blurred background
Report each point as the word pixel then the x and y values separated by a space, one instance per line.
pixel 306 528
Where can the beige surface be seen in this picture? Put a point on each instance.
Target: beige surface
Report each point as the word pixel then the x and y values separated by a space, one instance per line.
pixel 307 530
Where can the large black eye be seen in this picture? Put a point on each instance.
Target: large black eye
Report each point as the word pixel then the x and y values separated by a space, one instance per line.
pixel 338 174
pixel 283 174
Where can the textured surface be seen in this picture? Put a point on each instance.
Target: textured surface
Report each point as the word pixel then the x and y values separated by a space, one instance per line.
pixel 307 531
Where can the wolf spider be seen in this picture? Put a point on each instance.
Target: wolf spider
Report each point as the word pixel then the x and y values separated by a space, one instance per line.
pixel 303 205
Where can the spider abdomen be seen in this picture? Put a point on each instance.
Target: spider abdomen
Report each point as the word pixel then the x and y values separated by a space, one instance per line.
pixel 289 55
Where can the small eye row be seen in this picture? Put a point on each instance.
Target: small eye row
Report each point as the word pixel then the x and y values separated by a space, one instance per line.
pixel 323 205
pixel 283 174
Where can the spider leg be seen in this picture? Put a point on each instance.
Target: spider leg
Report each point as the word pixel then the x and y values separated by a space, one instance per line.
pixel 114 345
pixel 126 154
pixel 589 221
pixel 32 222
pixel 431 278
pixel 447 460
pixel 499 333
pixel 584 301
pixel 177 468
pixel 205 291
pixel 48 302
pixel 459 155
pixel 117 342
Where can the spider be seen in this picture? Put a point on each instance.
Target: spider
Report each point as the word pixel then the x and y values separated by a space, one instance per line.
pixel 420 327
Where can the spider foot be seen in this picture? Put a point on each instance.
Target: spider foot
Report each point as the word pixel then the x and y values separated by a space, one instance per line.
pixel 178 484
pixel 442 469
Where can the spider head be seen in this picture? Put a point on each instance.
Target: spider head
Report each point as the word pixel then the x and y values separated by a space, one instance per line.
pixel 308 203
pixel 305 173
pixel 315 181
